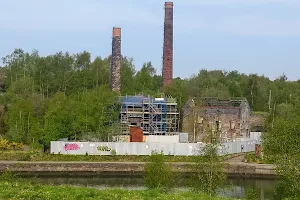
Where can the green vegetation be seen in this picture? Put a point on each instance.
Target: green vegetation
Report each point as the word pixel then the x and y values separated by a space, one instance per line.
pixel 252 158
pixel 209 171
pixel 64 95
pixel 44 98
pixel 12 188
pixel 158 174
pixel 40 156
pixel 281 146
pixel 21 190
pixel 252 194
pixel 6 145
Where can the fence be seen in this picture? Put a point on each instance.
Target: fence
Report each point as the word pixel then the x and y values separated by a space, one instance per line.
pixel 135 148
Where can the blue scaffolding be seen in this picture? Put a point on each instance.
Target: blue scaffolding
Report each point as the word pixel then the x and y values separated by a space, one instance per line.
pixel 151 114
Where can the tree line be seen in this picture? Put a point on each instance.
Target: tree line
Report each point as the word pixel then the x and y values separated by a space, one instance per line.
pixel 45 98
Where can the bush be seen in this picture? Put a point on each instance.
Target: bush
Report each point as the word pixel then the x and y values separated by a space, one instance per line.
pixel 6 145
pixel 36 147
pixel 209 171
pixel 158 174
pixel 252 194
pixel 113 152
pixel 288 171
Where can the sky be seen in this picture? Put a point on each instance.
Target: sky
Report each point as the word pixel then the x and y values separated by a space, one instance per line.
pixel 251 36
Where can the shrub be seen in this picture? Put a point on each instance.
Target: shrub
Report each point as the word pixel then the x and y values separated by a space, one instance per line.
pixel 6 145
pixel 209 171
pixel 36 147
pixel 158 174
pixel 252 194
pixel 113 152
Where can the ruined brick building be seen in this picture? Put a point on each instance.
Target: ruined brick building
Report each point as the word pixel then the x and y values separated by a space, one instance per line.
pixel 229 118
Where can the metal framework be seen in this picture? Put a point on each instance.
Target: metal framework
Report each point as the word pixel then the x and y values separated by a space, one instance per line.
pixel 154 115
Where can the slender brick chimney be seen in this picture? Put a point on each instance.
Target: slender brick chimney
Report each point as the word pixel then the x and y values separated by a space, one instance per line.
pixel 115 80
pixel 167 71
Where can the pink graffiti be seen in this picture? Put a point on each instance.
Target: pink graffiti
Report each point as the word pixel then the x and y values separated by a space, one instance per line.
pixel 71 147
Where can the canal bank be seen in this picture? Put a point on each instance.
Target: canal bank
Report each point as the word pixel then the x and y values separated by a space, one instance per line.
pixel 233 169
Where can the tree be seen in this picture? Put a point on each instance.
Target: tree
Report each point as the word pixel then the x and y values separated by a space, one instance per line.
pixel 20 119
pixel 3 121
pixel 281 146
pixel 288 169
pixel 58 119
pixel 146 79
pixel 179 90
pixel 209 170
pixel 127 77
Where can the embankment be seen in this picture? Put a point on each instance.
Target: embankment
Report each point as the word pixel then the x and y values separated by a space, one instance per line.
pixel 236 169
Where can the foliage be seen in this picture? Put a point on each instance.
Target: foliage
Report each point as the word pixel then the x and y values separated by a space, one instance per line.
pixel 251 158
pixel 283 139
pixel 252 194
pixel 65 95
pixel 288 170
pixel 6 145
pixel 209 170
pixel 158 174
pixel 281 146
pixel 113 152
pixel 40 156
pixel 18 189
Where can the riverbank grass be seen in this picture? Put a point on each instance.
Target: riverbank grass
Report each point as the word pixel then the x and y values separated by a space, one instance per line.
pixel 40 156
pixel 18 189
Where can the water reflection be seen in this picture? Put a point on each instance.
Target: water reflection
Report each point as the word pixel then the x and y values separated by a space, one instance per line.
pixel 235 187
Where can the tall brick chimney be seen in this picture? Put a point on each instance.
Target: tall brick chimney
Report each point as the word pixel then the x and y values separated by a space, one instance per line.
pixel 167 71
pixel 115 80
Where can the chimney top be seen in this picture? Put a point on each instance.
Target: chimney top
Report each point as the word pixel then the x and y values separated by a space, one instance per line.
pixel 169 4
pixel 116 31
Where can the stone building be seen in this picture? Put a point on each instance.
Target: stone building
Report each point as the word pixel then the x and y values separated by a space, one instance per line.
pixel 227 118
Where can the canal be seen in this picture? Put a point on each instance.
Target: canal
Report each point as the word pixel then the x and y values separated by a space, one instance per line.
pixel 236 187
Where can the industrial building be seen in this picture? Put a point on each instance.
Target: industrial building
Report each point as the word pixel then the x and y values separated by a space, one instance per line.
pixel 228 117
pixel 160 116
pixel 156 116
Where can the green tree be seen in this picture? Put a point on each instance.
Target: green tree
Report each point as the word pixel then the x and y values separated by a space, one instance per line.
pixel 20 119
pixel 209 170
pixel 58 119
pixel 127 77
pixel 179 90
pixel 281 146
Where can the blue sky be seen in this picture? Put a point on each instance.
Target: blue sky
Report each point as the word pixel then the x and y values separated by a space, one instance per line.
pixel 251 36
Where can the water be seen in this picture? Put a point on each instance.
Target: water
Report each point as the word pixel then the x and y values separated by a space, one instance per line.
pixel 236 189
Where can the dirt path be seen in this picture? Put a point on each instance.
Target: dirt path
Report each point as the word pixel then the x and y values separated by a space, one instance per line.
pixel 237 159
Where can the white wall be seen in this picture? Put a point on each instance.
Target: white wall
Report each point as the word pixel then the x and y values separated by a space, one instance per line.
pixel 136 148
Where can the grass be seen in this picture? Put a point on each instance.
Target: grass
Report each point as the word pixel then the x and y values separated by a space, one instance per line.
pixel 39 156
pixel 19 189
pixel 251 158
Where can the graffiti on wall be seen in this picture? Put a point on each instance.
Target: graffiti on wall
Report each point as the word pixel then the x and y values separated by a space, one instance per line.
pixel 71 147
pixel 103 148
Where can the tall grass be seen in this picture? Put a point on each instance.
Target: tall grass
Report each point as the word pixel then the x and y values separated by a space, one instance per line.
pixel 21 190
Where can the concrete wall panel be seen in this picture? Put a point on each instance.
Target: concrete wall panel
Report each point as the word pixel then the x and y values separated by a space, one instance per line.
pixel 127 148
